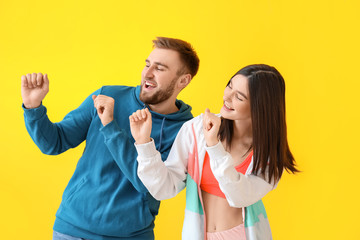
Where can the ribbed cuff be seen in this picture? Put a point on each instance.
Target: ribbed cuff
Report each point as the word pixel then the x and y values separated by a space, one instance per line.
pixel 34 113
pixel 110 129
pixel 217 151
pixel 146 150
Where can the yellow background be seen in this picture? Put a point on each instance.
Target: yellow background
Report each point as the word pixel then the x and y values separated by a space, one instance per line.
pixel 83 45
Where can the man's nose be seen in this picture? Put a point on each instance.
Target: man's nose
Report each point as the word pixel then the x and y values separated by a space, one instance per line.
pixel 149 73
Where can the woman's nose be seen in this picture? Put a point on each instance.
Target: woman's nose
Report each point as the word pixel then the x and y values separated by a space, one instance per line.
pixel 227 96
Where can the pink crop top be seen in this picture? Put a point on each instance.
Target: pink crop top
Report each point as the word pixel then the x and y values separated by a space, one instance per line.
pixel 209 183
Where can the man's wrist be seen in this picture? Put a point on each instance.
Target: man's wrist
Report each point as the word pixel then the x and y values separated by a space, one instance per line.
pixel 107 121
pixel 31 105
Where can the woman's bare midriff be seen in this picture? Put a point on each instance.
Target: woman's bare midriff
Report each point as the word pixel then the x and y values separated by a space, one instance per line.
pixel 219 215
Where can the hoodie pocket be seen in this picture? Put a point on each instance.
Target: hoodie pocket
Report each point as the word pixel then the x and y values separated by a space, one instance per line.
pixel 74 189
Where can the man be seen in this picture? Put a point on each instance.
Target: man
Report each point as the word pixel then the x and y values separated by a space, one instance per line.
pixel 105 199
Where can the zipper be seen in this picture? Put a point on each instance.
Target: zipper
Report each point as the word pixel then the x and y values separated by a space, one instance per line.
pixel 198 182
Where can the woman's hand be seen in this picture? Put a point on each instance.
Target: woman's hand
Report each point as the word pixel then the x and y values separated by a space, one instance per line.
pixel 140 126
pixel 211 126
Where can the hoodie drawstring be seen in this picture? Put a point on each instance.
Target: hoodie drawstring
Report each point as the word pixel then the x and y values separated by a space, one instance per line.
pixel 161 133
pixel 161 130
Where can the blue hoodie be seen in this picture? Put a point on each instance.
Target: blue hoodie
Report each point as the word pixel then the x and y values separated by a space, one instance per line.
pixel 105 199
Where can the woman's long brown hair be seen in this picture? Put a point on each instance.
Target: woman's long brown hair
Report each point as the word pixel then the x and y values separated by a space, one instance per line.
pixel 267 103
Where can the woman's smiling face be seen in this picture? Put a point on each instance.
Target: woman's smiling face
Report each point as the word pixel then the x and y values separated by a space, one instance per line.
pixel 236 99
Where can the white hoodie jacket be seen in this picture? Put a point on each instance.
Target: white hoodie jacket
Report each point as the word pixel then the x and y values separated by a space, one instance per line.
pixel 183 167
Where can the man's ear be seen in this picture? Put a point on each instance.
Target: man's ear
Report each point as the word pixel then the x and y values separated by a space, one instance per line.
pixel 184 80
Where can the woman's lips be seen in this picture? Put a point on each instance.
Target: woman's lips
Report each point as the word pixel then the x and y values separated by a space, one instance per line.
pixel 227 107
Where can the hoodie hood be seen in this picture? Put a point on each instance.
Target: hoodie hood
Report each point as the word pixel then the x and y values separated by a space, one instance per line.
pixel 168 125
pixel 183 114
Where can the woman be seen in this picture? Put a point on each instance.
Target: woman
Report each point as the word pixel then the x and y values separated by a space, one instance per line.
pixel 227 163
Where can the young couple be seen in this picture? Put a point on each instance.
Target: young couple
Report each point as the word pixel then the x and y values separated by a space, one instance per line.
pixel 227 163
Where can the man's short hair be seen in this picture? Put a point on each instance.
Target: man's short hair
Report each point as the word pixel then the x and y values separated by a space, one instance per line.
pixel 186 52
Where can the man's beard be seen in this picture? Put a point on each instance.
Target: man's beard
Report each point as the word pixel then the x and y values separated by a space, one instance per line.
pixel 160 95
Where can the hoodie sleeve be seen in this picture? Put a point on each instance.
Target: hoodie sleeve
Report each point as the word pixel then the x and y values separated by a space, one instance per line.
pixel 165 179
pixel 55 138
pixel 240 190
pixel 124 153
